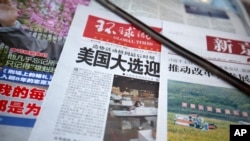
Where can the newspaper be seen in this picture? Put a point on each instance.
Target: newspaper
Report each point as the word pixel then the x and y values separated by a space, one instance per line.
pixel 27 65
pixel 106 83
pixel 199 105
pixel 185 12
pixel 243 6
pixel 24 78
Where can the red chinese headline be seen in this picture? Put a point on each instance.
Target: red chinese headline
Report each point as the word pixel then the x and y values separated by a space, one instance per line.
pixel 30 53
pixel 120 33
pixel 19 107
pixel 228 46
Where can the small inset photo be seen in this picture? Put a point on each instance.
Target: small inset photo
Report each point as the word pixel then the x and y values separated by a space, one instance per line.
pixel 132 109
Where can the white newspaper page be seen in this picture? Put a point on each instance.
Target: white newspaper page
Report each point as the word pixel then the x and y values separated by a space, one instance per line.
pixel 183 11
pixel 243 6
pixel 199 105
pixel 106 83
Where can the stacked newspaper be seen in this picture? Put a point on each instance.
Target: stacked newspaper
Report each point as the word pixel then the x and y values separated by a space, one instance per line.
pixel 219 15
pixel 106 84
pixel 242 7
pixel 107 61
pixel 114 82
pixel 196 100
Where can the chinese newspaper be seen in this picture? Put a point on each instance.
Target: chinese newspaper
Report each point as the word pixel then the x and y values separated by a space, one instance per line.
pixel 243 8
pixel 199 105
pixel 189 12
pixel 106 84
pixel 24 78
pixel 28 58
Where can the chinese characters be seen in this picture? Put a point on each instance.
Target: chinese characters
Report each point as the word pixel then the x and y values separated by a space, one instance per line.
pixel 106 60
pixel 228 46
pixel 119 33
pixel 18 105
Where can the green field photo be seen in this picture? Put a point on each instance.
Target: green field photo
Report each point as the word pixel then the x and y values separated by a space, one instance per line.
pixel 216 108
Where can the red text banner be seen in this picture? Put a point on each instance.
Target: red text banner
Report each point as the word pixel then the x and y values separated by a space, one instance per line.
pixel 120 33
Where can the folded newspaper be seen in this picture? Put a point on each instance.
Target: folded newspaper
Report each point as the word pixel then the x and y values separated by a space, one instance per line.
pixel 243 9
pixel 198 13
pixel 106 83
pixel 109 84
pixel 199 105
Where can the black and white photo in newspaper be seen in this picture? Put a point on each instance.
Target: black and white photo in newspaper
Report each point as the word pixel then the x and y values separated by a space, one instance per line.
pixel 106 83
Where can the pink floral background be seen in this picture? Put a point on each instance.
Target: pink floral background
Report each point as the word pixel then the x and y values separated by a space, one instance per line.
pixel 51 15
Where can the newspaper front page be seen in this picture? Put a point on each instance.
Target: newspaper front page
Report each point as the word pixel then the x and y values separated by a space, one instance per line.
pixel 106 83
pixel 185 12
pixel 199 105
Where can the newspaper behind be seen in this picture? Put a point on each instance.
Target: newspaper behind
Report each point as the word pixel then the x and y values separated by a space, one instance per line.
pixel 199 105
pixel 243 7
pixel 183 11
pixel 106 66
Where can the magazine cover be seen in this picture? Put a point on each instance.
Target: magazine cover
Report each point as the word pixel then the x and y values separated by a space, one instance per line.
pixel 106 84
pixel 31 40
pixel 199 105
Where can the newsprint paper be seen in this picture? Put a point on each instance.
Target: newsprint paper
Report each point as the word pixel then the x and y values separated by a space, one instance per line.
pixel 200 106
pixel 189 12
pixel 106 83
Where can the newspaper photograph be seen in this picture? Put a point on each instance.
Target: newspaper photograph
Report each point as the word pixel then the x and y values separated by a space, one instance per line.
pixel 199 105
pixel 106 83
pixel 189 12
